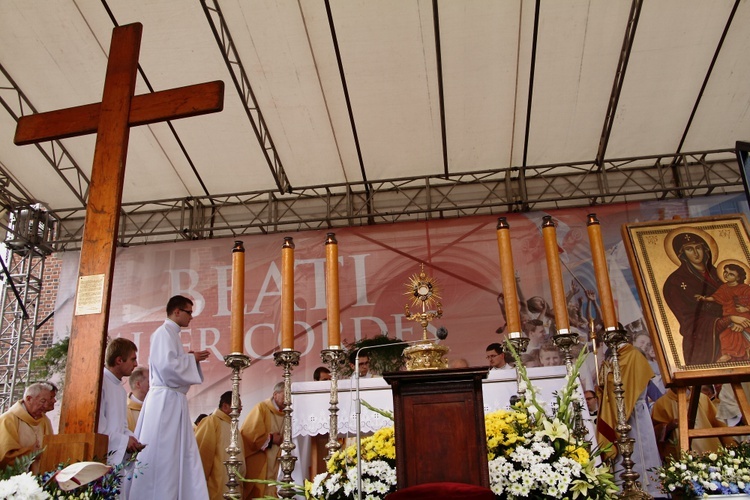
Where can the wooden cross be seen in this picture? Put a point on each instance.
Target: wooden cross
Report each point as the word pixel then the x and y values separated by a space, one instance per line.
pixel 111 120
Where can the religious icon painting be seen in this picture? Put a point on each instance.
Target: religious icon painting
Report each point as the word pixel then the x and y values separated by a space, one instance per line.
pixel 693 279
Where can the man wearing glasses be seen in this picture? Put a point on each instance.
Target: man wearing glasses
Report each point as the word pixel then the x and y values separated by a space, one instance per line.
pixel 364 364
pixel 171 462
pixel 496 357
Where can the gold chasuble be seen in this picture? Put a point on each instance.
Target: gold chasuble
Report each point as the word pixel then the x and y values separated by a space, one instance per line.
pixel 260 462
pixel 134 409
pixel 636 372
pixel 21 434
pixel 213 436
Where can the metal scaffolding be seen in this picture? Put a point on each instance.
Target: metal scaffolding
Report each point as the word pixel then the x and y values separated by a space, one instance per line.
pixel 27 246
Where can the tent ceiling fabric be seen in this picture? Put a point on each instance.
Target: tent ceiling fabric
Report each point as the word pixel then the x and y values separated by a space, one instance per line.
pixel 356 91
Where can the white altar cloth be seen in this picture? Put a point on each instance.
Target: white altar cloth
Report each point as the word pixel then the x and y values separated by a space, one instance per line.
pixel 311 403
pixel 311 400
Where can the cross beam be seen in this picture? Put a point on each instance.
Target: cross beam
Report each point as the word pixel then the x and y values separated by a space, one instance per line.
pixel 111 120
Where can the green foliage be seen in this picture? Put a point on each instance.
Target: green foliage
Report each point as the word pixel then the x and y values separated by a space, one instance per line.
pixel 53 361
pixel 382 359
pixel 19 465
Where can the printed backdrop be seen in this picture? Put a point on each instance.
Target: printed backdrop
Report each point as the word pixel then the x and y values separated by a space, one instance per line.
pixel 375 264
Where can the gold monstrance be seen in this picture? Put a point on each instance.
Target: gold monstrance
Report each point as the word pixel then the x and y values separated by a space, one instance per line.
pixel 424 293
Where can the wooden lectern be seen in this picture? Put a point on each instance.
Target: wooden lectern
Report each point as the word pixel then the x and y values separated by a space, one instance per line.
pixel 439 426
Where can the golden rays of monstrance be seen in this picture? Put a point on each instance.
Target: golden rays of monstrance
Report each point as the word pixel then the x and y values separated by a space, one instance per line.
pixel 423 290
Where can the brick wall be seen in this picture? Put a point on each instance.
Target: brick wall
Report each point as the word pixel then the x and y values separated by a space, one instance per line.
pixel 51 279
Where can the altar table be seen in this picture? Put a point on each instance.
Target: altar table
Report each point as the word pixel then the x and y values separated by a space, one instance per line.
pixel 311 403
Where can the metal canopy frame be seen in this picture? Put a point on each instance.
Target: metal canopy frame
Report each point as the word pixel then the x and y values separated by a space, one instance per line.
pixel 419 198
pixel 444 195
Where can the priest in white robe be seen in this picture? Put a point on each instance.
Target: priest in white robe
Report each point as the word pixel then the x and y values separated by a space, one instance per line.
pixel 170 465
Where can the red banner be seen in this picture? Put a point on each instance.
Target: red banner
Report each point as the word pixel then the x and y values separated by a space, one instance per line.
pixel 375 264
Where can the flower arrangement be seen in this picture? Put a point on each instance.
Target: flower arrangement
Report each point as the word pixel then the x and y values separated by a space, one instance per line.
pixel 696 475
pixel 79 481
pixel 22 486
pixel 531 455
pixel 378 470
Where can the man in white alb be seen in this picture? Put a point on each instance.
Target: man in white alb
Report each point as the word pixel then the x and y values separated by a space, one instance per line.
pixel 120 359
pixel 170 464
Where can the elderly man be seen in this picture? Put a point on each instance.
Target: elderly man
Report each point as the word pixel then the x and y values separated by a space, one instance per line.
pixel 23 427
pixel 214 436
pixel 261 436
pixel 51 404
pixel 138 382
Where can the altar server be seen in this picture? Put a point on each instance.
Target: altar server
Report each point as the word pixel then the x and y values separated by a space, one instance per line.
pixel 171 464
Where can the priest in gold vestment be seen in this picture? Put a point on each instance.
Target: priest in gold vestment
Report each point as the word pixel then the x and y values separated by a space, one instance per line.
pixel 636 374
pixel 213 435
pixel 138 381
pixel 261 436
pixel 24 425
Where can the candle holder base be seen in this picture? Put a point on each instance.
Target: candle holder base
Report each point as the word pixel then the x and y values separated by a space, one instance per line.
pixel 520 344
pixel 287 360
pixel 237 362
pixel 426 355
pixel 565 341
pixel 631 487
pixel 335 360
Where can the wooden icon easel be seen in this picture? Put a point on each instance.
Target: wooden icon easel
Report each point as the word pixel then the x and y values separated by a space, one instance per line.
pixel 687 409
pixel 646 244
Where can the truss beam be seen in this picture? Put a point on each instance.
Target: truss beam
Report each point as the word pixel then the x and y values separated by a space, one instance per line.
pixel 542 187
pixel 242 83
pixel 17 104
pixel 17 328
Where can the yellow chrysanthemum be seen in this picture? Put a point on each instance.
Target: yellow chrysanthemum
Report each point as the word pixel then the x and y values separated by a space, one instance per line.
pixel 579 454
pixel 504 429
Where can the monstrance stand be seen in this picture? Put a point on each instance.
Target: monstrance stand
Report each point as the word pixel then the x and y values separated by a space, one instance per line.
pixel 631 488
pixel 425 354
pixel 237 362
pixel 287 359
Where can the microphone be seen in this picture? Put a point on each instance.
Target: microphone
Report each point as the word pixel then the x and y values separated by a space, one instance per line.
pixel 442 333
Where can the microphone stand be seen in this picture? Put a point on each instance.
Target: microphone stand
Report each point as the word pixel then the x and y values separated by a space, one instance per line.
pixel 358 405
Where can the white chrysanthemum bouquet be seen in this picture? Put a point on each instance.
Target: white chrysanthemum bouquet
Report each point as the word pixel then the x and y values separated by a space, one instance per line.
pixel 534 454
pixel 696 475
pixel 531 455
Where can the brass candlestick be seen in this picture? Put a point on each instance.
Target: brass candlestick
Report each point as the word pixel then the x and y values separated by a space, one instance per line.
pixel 334 359
pixel 237 362
pixel 424 292
pixel 288 360
pixel 631 488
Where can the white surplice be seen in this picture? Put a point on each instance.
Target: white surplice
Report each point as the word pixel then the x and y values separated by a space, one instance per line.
pixel 113 419
pixel 170 465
